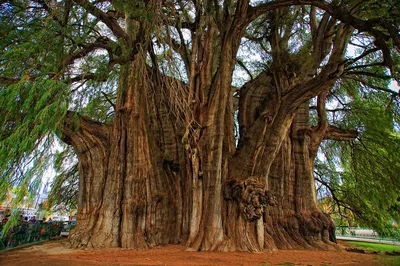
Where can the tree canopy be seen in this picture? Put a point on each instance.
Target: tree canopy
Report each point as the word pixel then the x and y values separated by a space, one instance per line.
pixel 62 61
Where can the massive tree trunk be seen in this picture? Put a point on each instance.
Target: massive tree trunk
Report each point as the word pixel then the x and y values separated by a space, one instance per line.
pixel 296 221
pixel 167 170
pixel 148 181
pixel 130 189
pixel 274 164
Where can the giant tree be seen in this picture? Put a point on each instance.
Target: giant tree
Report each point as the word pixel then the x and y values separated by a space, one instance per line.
pixel 144 93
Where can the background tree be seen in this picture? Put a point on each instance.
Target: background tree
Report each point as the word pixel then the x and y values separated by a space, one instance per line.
pixel 143 92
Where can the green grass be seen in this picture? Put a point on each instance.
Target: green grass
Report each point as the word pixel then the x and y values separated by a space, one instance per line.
pixel 391 261
pixel 374 246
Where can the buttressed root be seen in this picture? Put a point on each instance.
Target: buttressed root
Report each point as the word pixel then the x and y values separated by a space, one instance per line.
pixel 252 196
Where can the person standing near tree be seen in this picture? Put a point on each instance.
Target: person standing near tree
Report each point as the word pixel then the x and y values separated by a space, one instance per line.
pixel 32 220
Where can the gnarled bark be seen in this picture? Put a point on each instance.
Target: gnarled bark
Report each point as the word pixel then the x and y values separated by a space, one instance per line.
pixel 167 170
pixel 159 183
pixel 91 143
pixel 131 173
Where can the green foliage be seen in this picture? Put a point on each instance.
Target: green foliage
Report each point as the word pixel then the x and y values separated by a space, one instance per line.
pixel 32 112
pixel 13 219
pixel 137 8
pixel 363 176
pixel 35 90
pixel 64 188
pixel 395 261
pixel 375 246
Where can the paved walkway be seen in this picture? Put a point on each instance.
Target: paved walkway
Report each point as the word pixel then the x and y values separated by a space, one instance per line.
pixel 372 240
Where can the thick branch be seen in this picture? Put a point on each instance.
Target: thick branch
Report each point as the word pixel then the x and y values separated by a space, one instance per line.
pixel 88 76
pixel 320 130
pixel 326 78
pixel 322 38
pixel 324 131
pixel 322 119
pixel 78 127
pixel 90 47
pixel 335 133
pixel 254 12
pixel 110 21
pixel 341 13
pixel 366 73
pixel 240 22
pixel 313 21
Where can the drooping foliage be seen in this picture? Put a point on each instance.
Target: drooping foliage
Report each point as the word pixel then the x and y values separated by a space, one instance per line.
pixel 65 185
pixel 36 88
pixel 360 179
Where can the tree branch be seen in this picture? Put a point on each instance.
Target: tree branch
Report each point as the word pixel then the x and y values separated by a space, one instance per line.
pixel 110 21
pixel 338 202
pixel 242 65
pixel 88 76
pixel 325 79
pixel 76 125
pixel 364 66
pixel 338 134
pixel 256 11
pixel 366 73
pixel 86 49
pixel 340 12
pixel 321 111
pixel 50 11
pixel 8 81
pixel 108 100
pixel 319 132
pixel 355 78
pixel 364 54
pixel 331 110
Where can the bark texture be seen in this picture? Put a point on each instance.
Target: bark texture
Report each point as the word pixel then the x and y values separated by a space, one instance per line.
pixel 148 181
pixel 168 171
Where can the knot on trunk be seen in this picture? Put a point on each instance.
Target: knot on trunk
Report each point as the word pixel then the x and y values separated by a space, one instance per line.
pixel 251 195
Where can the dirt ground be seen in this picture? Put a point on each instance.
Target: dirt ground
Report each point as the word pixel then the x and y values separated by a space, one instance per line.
pixel 56 253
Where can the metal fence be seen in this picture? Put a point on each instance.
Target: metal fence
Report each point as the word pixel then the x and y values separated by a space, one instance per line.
pixel 356 232
pixel 366 233
pixel 25 233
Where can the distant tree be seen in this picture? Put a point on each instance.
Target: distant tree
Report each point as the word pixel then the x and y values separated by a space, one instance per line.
pixel 171 146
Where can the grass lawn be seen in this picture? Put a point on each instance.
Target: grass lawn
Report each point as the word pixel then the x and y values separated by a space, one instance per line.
pixel 385 260
pixel 374 246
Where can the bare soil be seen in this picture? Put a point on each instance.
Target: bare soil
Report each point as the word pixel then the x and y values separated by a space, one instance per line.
pixel 57 253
